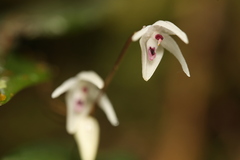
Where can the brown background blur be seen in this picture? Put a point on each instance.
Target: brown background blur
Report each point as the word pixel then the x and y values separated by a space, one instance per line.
pixel 170 117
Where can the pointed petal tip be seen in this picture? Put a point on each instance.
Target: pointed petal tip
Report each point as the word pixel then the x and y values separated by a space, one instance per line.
pixel 134 37
pixel 54 94
pixel 187 73
pixel 138 34
pixel 145 78
pixel 186 39
pixel 183 36
pixel 147 75
pixel 106 106
pixel 116 124
pixel 64 87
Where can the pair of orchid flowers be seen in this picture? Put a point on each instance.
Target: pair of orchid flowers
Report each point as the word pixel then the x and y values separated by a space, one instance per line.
pixel 83 89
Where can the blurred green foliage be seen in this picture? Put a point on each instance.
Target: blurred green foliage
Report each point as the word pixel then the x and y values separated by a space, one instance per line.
pixel 19 73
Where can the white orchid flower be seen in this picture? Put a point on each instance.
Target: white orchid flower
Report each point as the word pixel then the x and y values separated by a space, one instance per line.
pixel 156 37
pixel 82 92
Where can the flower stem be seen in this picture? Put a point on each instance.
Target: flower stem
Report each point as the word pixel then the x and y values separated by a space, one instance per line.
pixel 111 74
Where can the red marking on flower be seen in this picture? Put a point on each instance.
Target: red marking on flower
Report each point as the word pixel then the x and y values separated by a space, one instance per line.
pixel 151 53
pixel 158 36
pixel 85 89
pixel 79 102
pixel 79 105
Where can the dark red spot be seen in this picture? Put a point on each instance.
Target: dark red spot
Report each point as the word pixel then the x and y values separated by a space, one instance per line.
pixel 158 36
pixel 152 50
pixel 85 89
pixel 79 103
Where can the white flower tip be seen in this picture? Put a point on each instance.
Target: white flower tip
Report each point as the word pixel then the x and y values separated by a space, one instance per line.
pixel 115 123
pixel 135 36
pixel 112 118
pixel 186 71
pixel 147 74
pixel 56 93
pixel 185 38
pixel 139 33
pixel 106 106
pixel 64 87
pixel 188 74
pixel 146 78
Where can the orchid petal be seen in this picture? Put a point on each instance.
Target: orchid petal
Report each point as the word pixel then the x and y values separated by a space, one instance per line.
pixel 87 137
pixel 170 44
pixel 107 107
pixel 65 86
pixel 71 121
pixel 91 77
pixel 140 33
pixel 172 29
pixel 72 116
pixel 149 67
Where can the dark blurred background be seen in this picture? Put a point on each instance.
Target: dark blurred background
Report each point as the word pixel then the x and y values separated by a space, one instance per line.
pixel 170 117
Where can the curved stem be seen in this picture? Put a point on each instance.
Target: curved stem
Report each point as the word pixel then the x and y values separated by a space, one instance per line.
pixel 111 74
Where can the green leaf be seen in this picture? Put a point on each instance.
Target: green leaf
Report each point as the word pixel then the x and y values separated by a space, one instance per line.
pixel 19 73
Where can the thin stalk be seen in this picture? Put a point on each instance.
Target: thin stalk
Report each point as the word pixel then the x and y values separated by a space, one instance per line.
pixel 111 74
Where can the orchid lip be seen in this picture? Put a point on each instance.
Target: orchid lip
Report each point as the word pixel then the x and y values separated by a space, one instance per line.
pixel 151 53
pixel 79 104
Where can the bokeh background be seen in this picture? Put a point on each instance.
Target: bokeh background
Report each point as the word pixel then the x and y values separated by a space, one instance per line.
pixel 170 117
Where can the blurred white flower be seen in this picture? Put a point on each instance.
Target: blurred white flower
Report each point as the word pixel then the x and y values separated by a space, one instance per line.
pixel 87 137
pixel 82 91
pixel 156 37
